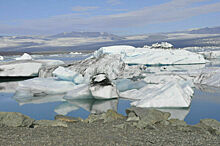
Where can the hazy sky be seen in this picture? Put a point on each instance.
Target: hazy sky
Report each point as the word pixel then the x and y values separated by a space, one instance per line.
pixel 123 17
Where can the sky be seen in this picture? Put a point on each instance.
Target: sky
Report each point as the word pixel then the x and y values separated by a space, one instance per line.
pixel 121 17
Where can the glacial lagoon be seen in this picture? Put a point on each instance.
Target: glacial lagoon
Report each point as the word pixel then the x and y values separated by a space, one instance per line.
pixel 205 103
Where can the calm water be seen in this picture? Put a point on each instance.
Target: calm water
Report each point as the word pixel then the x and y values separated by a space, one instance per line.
pixel 204 104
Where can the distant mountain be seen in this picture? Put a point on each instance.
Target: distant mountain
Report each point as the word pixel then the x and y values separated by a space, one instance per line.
pixel 87 35
pixel 207 30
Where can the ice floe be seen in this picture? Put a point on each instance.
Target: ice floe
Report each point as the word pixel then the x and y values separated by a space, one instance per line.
pixel 25 56
pixel 25 68
pixel 42 87
pixel 1 58
pixel 208 76
pixel 170 94
pixel 164 45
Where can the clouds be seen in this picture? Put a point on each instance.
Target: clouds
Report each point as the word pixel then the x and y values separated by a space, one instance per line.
pixel 171 11
pixel 85 8
pixel 114 2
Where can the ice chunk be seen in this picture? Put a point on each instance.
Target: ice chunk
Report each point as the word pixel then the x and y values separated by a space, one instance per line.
pixel 68 75
pixel 164 57
pixel 121 49
pixel 1 58
pixel 42 87
pixel 75 53
pixel 25 68
pixel 210 54
pixel 19 69
pixel 127 84
pixel 170 94
pixel 102 88
pixel 208 76
pixel 79 92
pixel 8 87
pixel 163 45
pixel 25 56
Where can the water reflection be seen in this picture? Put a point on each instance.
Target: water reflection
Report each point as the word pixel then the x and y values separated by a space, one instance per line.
pixel 90 105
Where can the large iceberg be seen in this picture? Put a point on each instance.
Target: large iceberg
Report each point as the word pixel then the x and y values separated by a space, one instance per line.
pixel 152 56
pixel 171 94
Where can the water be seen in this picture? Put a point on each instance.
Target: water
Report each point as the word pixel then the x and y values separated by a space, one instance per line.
pixel 205 104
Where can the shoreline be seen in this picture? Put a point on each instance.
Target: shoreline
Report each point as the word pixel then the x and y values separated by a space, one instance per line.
pixel 139 127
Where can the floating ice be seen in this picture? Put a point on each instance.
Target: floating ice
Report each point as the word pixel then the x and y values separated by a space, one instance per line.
pixel 1 58
pixel 127 84
pixel 163 45
pixel 208 76
pixel 25 56
pixel 170 94
pixel 42 87
pixel 102 88
pixel 68 75
pixel 19 69
pixel 79 92
pixel 24 68
pixel 75 53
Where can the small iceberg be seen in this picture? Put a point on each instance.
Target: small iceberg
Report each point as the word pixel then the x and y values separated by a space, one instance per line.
pixel 25 56
pixel 1 58
pixel 102 88
pixel 42 87
pixel 163 45
pixel 75 53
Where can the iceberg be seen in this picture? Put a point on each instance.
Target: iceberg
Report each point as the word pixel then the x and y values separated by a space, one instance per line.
pixel 102 88
pixel 25 56
pixel 127 84
pixel 208 76
pixel 8 87
pixel 171 94
pixel 42 87
pixel 152 56
pixel 176 113
pixel 1 58
pixel 68 75
pixel 25 68
pixel 79 92
pixel 164 45
pixel 19 69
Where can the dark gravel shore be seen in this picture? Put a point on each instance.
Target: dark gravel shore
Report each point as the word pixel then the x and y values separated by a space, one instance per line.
pixel 113 129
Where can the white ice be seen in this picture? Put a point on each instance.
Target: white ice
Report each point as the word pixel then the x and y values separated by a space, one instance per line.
pixel 104 92
pixel 42 87
pixel 170 94
pixel 164 45
pixel 68 75
pixel 25 56
pixel 1 58
pixel 127 84
pixel 152 56
pixel 209 76
pixel 25 68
